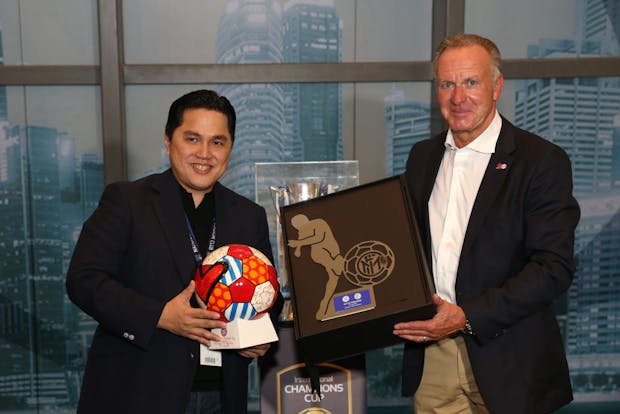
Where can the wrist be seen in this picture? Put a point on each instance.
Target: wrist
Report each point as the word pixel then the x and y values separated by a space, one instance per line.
pixel 467 330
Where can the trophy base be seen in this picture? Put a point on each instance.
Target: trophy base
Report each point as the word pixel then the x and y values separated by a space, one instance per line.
pixel 242 333
pixel 287 312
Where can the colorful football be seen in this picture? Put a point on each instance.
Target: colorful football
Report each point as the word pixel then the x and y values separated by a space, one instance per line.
pixel 237 281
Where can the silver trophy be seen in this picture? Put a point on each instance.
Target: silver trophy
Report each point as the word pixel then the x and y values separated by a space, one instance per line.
pixel 283 196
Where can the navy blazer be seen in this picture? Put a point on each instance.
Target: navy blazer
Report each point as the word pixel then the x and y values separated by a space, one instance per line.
pixel 133 255
pixel 517 257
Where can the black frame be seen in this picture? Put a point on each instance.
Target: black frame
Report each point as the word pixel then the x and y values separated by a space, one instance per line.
pixel 380 211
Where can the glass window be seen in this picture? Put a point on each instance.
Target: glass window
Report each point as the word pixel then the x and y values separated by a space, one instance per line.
pixel 59 32
pixel 51 178
pixel 160 31
pixel 555 28
pixel 568 112
pixel 293 31
pixel 395 30
pixel 147 111
pixel 589 131
pixel 389 118
pixel 375 123
pixel 271 119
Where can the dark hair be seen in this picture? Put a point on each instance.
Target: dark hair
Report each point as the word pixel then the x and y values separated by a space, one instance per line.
pixel 465 40
pixel 205 99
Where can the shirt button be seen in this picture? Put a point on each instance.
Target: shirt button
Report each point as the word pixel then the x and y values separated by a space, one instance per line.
pixel 125 335
pixel 131 337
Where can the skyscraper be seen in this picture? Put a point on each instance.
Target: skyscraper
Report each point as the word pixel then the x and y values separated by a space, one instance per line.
pixel 601 22
pixel 281 122
pixel 580 114
pixel 312 33
pixel 33 279
pixel 615 153
pixel 406 122
pixel 577 114
pixel 250 32
pixel 3 102
pixel 90 183
pixel 16 322
pixel 593 337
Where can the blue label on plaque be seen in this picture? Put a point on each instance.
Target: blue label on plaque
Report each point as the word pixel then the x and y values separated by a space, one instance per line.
pixel 352 300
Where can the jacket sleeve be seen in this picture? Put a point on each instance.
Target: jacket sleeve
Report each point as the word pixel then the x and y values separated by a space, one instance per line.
pixel 95 279
pixel 528 256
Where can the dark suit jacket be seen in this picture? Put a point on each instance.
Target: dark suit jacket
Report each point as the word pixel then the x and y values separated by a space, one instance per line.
pixel 134 255
pixel 517 257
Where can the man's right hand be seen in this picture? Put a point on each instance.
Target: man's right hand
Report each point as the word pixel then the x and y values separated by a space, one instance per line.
pixel 180 318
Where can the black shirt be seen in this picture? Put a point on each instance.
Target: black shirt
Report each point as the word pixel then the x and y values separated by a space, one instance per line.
pixel 201 219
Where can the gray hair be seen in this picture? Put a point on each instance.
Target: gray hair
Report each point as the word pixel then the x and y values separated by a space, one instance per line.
pixel 465 40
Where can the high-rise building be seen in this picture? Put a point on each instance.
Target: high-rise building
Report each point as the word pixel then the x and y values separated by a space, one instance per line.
pixel 33 279
pixel 600 22
pixel 580 115
pixel 16 322
pixel 3 101
pixel 615 153
pixel 45 230
pixel 312 33
pixel 577 114
pixel 250 32
pixel 281 122
pixel 406 122
pixel 593 335
pixel 91 181
pixel 39 210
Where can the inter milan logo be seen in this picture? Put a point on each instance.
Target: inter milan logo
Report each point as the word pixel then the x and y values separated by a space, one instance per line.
pixel 365 265
pixel 368 263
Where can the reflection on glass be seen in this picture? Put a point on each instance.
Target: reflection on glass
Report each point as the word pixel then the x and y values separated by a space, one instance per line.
pixel 59 32
pixel 582 115
pixel 50 181
pixel 585 27
pixel 309 30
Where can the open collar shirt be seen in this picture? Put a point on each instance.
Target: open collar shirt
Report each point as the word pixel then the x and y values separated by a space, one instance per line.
pixel 452 200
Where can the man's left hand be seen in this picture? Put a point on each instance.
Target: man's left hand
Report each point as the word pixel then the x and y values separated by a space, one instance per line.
pixel 254 351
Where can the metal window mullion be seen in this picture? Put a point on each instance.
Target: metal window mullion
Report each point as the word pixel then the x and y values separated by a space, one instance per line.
pixel 448 19
pixel 112 90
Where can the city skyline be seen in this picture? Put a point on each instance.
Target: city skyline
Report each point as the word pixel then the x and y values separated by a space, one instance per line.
pixel 49 184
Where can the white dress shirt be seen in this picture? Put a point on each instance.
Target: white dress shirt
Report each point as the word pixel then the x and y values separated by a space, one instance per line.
pixel 452 200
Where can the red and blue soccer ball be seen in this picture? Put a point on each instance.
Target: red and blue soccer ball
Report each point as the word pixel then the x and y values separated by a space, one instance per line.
pixel 237 281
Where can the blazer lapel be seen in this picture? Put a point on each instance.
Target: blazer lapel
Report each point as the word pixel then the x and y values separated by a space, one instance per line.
pixel 492 182
pixel 169 211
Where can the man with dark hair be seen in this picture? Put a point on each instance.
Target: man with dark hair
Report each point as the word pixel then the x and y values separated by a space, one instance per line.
pixel 497 216
pixel 133 266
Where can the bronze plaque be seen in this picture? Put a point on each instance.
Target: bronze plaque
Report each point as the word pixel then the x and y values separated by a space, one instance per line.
pixel 356 267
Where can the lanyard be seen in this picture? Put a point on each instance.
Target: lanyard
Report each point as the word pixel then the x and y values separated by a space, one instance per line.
pixel 208 357
pixel 194 242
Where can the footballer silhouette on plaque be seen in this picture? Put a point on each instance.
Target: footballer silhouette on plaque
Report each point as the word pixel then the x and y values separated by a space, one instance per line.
pixel 357 267
pixel 365 265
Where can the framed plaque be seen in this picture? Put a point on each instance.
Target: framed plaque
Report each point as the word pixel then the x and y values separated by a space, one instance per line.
pixel 356 267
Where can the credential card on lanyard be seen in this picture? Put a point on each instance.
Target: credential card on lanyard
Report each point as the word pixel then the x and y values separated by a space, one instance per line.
pixel 208 357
